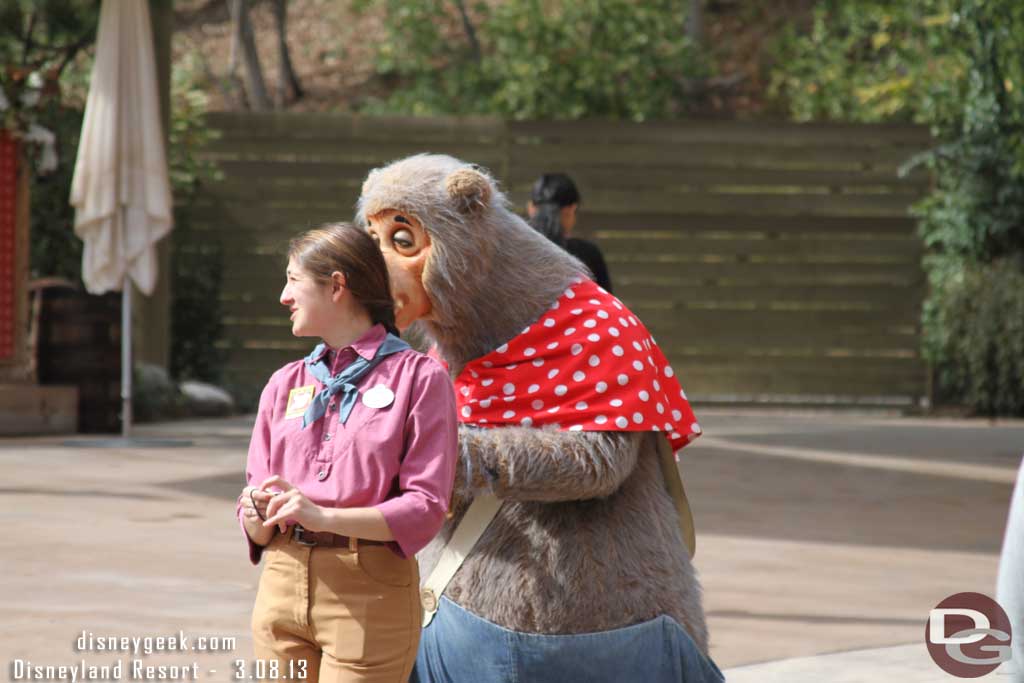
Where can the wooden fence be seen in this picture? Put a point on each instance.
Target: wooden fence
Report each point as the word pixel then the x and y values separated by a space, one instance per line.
pixel 772 262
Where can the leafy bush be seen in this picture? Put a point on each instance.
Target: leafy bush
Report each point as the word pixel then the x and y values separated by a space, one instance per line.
pixel 973 316
pixel 39 42
pixel 977 210
pixel 54 249
pixel 975 336
pixel 873 60
pixel 563 59
pixel 40 46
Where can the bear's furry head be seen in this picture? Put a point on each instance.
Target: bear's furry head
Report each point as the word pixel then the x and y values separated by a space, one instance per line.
pixel 429 186
pixel 489 274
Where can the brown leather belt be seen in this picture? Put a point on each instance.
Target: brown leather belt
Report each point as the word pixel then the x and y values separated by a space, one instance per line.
pixel 327 539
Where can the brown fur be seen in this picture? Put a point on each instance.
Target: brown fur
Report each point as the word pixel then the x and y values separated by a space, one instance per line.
pixel 588 538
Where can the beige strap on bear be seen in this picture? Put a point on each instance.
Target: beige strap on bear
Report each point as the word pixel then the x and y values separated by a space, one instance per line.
pixel 486 505
pixel 674 484
pixel 472 526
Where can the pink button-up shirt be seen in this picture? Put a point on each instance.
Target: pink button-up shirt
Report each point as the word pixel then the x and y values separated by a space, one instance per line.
pixel 398 458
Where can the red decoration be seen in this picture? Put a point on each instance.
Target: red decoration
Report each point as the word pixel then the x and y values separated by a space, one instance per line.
pixel 8 243
pixel 587 364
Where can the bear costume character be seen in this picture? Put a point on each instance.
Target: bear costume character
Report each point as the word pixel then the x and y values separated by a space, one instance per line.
pixel 565 400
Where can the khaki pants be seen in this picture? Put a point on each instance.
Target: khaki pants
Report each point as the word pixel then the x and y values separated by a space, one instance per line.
pixel 351 614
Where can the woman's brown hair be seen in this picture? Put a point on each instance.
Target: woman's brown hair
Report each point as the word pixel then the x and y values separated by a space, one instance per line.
pixel 344 248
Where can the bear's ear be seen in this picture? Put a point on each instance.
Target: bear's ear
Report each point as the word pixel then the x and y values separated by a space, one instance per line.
pixel 469 189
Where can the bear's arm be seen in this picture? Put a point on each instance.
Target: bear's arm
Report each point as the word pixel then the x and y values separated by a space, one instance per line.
pixel 524 463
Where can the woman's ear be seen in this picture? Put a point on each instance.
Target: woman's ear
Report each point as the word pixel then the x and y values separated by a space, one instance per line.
pixel 469 189
pixel 338 285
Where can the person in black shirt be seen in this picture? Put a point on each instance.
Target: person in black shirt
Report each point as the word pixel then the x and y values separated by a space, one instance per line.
pixel 552 212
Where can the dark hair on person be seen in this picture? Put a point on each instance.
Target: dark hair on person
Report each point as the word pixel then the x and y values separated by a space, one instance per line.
pixel 550 194
pixel 344 248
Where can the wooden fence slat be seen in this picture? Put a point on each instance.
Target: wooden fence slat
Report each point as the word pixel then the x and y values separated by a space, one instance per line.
pixel 626 245
pixel 589 178
pixel 370 153
pixel 661 314
pixel 806 273
pixel 598 223
pixel 883 300
pixel 710 155
pixel 326 125
pixel 721 132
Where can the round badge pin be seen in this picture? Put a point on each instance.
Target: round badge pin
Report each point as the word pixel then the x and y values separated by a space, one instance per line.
pixel 378 397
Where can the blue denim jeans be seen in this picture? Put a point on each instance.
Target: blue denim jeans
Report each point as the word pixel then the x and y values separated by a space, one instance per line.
pixel 460 647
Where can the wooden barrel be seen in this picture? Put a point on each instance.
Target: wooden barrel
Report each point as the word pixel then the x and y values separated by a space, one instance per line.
pixel 80 345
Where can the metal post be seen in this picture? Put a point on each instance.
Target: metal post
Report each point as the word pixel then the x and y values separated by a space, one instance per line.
pixel 126 358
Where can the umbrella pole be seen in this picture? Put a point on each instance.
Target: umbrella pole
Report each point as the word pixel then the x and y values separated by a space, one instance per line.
pixel 126 357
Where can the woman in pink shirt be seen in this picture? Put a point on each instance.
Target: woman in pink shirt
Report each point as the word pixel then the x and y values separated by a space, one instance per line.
pixel 350 471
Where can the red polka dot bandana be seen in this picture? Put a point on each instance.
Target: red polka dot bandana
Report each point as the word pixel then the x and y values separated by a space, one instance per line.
pixel 587 364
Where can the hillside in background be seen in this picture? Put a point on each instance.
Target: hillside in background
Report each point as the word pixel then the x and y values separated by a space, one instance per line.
pixel 333 51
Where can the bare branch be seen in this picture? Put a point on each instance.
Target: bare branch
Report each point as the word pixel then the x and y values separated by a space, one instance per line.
pixel 255 85
pixel 288 86
pixel 467 25
pixel 695 23
pixel 27 44
pixel 72 50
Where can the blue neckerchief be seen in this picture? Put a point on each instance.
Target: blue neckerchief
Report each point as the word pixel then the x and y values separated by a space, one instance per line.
pixel 344 382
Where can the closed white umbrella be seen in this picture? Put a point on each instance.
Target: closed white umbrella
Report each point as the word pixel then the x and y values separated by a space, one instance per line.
pixel 120 191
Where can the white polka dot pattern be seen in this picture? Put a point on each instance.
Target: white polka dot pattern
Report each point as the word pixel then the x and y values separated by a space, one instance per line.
pixel 610 374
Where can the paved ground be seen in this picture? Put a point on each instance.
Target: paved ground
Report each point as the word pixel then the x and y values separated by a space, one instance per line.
pixel 817 534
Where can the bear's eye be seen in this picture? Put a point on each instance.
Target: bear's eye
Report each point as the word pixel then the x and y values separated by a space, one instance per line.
pixel 403 239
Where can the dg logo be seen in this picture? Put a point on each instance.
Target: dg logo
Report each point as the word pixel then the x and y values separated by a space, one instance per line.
pixel 968 635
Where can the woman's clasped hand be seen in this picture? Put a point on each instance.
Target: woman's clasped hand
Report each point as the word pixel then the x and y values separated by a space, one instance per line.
pixel 289 504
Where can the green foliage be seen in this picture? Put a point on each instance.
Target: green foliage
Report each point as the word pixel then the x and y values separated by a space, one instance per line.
pixel 197 267
pixel 562 59
pixel 973 223
pixel 975 335
pixel 39 44
pixel 977 210
pixel 54 248
pixel 871 60
pixel 39 39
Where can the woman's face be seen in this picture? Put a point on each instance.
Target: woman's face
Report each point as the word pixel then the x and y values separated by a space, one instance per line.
pixel 309 301
pixel 406 248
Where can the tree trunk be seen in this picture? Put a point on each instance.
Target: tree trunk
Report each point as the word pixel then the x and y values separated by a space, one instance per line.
pixel 467 26
pixel 288 86
pixel 695 24
pixel 255 85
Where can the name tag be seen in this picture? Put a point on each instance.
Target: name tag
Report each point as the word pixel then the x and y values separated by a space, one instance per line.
pixel 299 399
pixel 378 397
